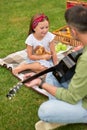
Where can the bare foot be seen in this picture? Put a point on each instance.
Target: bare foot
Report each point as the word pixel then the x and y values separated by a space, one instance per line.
pixel 16 70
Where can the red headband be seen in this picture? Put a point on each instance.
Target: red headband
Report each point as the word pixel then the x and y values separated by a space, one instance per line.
pixel 37 20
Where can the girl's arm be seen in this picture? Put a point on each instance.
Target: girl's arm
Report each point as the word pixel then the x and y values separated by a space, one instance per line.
pixel 36 57
pixel 53 52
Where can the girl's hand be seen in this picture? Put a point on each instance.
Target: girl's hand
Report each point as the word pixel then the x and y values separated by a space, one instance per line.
pixel 46 56
pixel 33 82
pixel 55 59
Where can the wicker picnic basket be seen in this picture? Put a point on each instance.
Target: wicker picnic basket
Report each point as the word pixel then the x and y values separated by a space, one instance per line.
pixel 71 3
pixel 63 34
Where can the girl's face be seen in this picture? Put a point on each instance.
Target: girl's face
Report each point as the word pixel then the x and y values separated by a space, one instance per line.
pixel 42 28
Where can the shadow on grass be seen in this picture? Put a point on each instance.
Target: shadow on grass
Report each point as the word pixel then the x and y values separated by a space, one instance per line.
pixel 73 127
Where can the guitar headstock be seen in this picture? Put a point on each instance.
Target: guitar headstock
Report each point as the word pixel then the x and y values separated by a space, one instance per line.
pixel 14 90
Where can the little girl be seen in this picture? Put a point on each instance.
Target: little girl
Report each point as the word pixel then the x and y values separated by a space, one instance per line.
pixel 40 46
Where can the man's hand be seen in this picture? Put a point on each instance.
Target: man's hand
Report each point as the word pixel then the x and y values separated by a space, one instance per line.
pixel 34 82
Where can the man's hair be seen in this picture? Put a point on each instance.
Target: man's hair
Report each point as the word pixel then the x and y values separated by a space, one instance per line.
pixel 76 16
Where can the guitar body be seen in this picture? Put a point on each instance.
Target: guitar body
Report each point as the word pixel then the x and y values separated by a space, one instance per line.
pixel 65 70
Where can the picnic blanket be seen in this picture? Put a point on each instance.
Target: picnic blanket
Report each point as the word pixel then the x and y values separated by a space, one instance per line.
pixel 14 59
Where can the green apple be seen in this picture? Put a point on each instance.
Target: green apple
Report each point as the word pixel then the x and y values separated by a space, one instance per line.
pixel 64 47
pixel 57 48
pixel 60 47
pixel 59 43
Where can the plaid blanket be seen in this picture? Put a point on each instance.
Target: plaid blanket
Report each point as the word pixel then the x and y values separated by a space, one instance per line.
pixel 14 59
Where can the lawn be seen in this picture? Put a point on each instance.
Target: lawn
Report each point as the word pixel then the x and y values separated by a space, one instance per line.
pixel 21 112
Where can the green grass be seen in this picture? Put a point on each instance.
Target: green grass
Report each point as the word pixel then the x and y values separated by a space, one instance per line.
pixel 21 112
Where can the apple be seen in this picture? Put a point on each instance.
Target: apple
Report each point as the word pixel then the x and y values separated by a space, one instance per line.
pixel 60 47
pixel 57 48
pixel 64 47
pixel 59 44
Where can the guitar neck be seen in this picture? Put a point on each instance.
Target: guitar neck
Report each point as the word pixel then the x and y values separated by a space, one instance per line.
pixel 39 74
